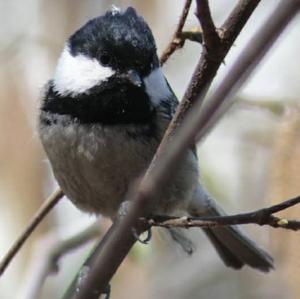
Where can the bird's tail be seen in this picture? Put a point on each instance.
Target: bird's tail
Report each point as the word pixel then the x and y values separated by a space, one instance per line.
pixel 233 246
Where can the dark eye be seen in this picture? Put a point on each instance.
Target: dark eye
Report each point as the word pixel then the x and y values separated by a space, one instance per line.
pixel 105 58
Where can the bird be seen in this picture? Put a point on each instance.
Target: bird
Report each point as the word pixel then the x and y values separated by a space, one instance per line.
pixel 102 117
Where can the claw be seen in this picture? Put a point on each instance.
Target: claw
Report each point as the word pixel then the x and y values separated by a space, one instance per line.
pixel 144 241
pixel 122 212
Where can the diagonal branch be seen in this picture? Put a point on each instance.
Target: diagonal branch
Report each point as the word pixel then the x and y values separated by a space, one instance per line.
pixel 51 201
pixel 237 20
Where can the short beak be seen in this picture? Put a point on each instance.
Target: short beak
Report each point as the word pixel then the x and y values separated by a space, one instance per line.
pixel 134 78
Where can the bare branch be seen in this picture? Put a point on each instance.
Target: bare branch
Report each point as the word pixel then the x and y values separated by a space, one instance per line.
pixel 210 34
pixel 47 206
pixel 176 42
pixel 260 217
pixel 121 239
pixel 237 20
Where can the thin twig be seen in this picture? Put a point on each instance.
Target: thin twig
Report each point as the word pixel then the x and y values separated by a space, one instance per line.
pixel 192 35
pixel 176 41
pixel 113 251
pixel 260 217
pixel 47 206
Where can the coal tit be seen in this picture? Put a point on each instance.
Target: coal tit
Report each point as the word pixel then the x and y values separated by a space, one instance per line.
pixel 102 118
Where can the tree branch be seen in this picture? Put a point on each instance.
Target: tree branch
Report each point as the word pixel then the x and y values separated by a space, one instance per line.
pixel 260 217
pixel 176 41
pixel 47 206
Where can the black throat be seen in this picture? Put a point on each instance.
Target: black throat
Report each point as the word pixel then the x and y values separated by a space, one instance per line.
pixel 115 104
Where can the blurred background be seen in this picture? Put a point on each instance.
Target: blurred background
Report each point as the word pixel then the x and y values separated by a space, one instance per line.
pixel 250 160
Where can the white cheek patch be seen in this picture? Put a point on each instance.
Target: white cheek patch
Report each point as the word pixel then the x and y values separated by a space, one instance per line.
pixel 77 74
pixel 156 86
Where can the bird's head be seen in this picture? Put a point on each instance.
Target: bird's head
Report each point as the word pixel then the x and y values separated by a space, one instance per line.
pixel 110 66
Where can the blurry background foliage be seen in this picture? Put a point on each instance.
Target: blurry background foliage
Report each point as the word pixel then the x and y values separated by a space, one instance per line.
pixel 250 160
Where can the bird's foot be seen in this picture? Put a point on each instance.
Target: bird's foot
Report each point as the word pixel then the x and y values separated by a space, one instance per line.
pixel 122 212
